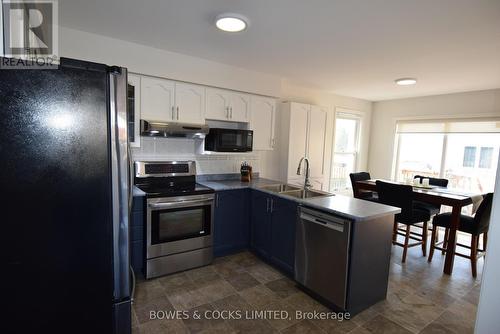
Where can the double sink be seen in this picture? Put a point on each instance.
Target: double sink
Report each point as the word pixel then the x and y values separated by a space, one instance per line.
pixel 294 191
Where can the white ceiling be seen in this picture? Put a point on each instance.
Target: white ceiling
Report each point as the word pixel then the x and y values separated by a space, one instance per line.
pixel 350 47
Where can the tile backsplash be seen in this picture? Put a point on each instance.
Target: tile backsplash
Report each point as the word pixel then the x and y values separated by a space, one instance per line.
pixel 153 148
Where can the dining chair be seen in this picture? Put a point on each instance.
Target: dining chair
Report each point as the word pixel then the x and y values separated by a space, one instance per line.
pixel 433 209
pixel 362 194
pixel 401 196
pixel 475 226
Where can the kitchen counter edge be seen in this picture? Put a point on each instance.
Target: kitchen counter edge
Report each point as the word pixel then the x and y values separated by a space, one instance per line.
pixel 345 206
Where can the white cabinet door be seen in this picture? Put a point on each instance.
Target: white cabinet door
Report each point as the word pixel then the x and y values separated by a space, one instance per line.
pixel 316 140
pixel 239 107
pixel 297 137
pixel 157 99
pixel 217 101
pixel 134 109
pixel 189 103
pixel 262 122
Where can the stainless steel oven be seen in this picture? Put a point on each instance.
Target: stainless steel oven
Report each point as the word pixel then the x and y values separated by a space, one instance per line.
pixel 179 217
pixel 179 224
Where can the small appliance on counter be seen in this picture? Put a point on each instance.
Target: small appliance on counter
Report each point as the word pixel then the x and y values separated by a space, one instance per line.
pixel 179 215
pixel 229 140
pixel 246 172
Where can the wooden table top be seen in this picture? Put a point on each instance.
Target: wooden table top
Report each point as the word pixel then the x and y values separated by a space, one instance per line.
pixel 437 195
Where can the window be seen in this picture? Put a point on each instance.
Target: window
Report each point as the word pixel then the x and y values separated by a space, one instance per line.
pixel 485 157
pixel 460 151
pixel 419 154
pixel 345 150
pixel 469 156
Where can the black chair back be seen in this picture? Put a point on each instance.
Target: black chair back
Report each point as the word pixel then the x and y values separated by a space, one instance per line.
pixel 483 213
pixel 355 177
pixel 433 181
pixel 399 195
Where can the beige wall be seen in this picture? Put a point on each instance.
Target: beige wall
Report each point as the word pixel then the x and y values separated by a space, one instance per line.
pixel 386 113
pixel 146 60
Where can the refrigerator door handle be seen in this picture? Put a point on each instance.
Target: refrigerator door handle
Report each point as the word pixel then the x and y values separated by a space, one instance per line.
pixel 120 182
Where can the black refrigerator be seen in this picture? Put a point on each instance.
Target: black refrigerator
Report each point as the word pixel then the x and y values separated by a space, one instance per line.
pixel 65 184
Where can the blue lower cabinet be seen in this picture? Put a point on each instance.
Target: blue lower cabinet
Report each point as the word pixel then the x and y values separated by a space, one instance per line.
pixel 261 223
pixel 137 234
pixel 231 223
pixel 283 221
pixel 273 221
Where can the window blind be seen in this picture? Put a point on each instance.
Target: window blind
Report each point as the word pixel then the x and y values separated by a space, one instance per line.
pixel 490 125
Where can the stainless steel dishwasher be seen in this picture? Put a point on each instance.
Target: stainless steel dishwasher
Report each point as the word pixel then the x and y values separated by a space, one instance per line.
pixel 322 254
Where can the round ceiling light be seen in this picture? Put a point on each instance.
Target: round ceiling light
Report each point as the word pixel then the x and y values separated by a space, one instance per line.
pixel 231 22
pixel 406 81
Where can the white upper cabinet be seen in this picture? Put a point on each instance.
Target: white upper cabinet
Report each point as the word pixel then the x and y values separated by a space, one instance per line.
pixel 189 103
pixel 297 138
pixel 263 119
pixel 217 104
pixel 224 105
pixel 157 99
pixel 316 140
pixel 169 101
pixel 303 134
pixel 134 109
pixel 239 107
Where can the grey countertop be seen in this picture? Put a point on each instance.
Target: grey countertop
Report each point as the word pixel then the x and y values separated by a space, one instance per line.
pixel 345 206
pixel 349 207
pixel 237 184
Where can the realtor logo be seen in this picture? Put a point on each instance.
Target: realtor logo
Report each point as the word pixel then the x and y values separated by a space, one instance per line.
pixel 30 29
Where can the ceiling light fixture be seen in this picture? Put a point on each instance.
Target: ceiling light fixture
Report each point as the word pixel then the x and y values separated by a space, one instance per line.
pixel 231 22
pixel 406 81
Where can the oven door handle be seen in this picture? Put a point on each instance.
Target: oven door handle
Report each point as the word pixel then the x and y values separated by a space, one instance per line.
pixel 179 203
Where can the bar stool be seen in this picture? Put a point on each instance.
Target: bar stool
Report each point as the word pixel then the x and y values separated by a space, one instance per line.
pixel 401 196
pixel 475 226
pixel 362 194
pixel 433 209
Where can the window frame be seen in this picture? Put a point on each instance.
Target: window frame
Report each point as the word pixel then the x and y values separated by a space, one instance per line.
pixel 349 115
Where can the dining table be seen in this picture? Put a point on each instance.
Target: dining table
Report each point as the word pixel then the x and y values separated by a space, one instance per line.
pixel 454 198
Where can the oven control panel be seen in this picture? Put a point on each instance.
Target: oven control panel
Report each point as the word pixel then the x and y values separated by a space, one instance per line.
pixel 164 168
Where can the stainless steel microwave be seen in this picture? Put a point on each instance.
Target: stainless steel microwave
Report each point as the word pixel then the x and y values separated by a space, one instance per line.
pixel 229 140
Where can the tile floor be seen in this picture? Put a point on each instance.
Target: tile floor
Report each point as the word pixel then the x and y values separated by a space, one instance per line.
pixel 420 299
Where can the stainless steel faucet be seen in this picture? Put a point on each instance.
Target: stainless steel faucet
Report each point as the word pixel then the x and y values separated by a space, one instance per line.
pixel 307 184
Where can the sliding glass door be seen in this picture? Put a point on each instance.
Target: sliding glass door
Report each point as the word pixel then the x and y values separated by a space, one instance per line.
pixel 471 161
pixel 464 152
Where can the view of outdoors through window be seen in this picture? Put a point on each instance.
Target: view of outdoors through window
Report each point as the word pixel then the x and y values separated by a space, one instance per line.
pixel 345 152
pixel 467 160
